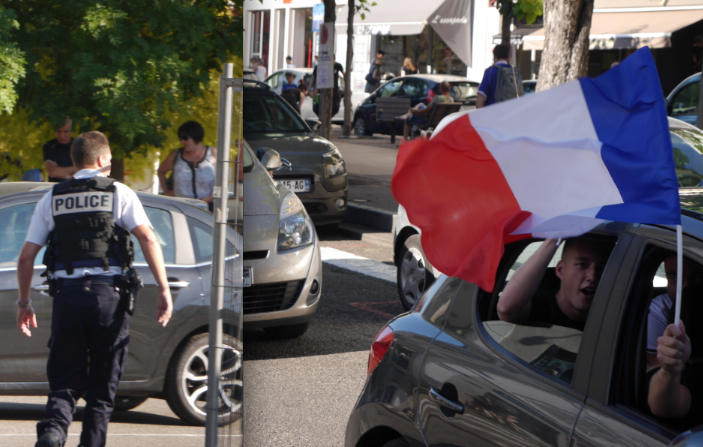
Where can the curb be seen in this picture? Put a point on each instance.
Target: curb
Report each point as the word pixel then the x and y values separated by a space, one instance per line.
pixel 367 216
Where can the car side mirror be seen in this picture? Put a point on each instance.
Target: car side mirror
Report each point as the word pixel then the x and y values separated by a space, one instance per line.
pixel 690 438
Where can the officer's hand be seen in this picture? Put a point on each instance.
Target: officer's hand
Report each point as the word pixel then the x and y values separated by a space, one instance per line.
pixel 673 348
pixel 26 319
pixel 164 307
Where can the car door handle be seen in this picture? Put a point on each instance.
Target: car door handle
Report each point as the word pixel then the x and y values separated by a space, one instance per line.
pixel 178 284
pixel 443 401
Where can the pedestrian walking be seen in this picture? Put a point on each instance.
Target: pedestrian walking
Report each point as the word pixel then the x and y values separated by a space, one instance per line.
pixel 57 154
pixel 373 78
pixel 408 67
pixel 500 81
pixel 87 221
pixel 192 166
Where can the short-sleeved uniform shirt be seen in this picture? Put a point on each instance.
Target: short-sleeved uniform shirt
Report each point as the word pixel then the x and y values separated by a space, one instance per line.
pixel 128 213
pixel 59 153
pixel 545 309
pixel 487 89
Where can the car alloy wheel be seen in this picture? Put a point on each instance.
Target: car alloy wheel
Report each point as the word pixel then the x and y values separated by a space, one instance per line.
pixel 360 126
pixel 413 275
pixel 186 382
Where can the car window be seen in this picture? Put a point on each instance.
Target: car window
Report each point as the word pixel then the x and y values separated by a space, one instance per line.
pixel 162 223
pixel 462 91
pixel 413 88
pixel 390 89
pixel 307 78
pixel 270 114
pixel 650 309
pixel 547 339
pixel 201 235
pixel 14 223
pixel 276 81
pixel 688 156
pixel 442 292
pixel 685 102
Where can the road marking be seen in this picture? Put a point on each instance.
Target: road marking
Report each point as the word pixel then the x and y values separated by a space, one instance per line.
pixel 358 264
pixel 370 307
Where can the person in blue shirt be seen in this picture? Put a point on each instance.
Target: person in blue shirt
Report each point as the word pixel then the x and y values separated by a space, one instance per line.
pixel 487 89
pixel 290 81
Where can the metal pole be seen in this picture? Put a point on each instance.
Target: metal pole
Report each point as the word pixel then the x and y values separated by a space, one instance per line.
pixel 220 195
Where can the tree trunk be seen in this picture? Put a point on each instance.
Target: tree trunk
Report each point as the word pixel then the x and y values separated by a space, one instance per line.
pixel 567 25
pixel 506 14
pixel 347 71
pixel 326 94
pixel 117 169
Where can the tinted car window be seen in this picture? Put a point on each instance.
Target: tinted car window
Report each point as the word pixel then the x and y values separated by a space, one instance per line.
pixel 270 114
pixel 163 228
pixel 462 91
pixel 686 100
pixel 276 81
pixel 390 89
pixel 201 235
pixel 688 155
pixel 14 223
pixel 413 88
pixel 437 310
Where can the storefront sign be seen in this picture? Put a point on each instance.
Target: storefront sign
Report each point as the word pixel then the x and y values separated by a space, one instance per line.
pixel 325 62
pixel 318 16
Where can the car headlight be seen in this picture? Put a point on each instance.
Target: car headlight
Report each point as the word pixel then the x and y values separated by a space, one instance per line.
pixel 333 164
pixel 294 228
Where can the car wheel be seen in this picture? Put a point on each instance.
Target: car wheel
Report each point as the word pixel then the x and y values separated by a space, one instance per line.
pixel 126 403
pixel 287 331
pixel 414 276
pixel 397 442
pixel 360 127
pixel 186 381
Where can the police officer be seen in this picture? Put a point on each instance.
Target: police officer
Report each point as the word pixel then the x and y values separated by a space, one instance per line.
pixel 86 221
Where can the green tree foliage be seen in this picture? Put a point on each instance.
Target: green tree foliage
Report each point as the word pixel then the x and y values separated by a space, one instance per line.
pixel 527 10
pixel 11 60
pixel 121 66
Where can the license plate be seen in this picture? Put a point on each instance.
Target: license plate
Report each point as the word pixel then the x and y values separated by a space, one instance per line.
pixel 296 185
pixel 247 276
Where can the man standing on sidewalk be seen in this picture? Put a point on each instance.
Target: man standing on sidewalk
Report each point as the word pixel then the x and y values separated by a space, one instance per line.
pixel 500 81
pixel 86 221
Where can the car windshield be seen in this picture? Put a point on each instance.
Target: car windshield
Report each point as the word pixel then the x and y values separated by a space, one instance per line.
pixel 463 90
pixel 688 155
pixel 270 114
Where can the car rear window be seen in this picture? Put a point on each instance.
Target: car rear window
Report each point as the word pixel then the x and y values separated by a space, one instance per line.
pixel 270 114
pixel 688 156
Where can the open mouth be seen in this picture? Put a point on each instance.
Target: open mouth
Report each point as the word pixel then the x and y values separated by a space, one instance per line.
pixel 589 291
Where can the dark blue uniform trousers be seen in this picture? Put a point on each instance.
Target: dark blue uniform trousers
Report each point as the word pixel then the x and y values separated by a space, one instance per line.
pixel 89 336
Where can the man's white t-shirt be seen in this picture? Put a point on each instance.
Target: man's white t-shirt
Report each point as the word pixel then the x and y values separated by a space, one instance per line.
pixel 128 213
pixel 261 73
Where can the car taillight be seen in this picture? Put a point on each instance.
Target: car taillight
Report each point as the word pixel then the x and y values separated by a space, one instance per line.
pixel 379 348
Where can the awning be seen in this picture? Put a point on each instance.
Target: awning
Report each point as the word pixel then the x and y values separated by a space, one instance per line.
pixel 516 35
pixel 395 17
pixel 615 30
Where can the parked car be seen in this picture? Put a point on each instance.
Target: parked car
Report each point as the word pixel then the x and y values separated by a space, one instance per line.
pixel 282 264
pixel 318 174
pixel 162 362
pixel 416 274
pixel 682 102
pixel 415 87
pixel 450 373
pixel 529 87
pixel 278 78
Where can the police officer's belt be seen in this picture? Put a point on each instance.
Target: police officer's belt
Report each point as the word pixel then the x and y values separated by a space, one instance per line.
pixel 87 281
pixel 87 263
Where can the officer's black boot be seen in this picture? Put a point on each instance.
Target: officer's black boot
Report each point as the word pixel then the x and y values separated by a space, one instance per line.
pixel 48 439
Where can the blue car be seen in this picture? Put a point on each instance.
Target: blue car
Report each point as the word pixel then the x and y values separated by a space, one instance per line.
pixel 415 87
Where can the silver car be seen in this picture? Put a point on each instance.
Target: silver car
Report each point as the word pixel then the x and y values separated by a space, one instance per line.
pixel 282 263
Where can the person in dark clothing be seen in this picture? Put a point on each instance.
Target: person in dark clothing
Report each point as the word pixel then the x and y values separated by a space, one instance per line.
pixel 373 79
pixel 57 154
pixel 579 270
pixel 291 93
pixel 336 94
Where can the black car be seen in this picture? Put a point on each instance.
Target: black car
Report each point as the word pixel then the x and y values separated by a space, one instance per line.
pixel 415 87
pixel 450 373
pixel 169 363
pixel 318 174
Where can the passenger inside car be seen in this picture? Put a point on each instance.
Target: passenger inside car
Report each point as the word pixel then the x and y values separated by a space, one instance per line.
pixel 579 272
pixel 675 355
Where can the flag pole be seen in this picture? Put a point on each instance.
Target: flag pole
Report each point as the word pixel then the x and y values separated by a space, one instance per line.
pixel 679 273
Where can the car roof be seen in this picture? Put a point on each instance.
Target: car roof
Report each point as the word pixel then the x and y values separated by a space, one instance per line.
pixel 257 87
pixel 437 78
pixel 675 123
pixel 303 70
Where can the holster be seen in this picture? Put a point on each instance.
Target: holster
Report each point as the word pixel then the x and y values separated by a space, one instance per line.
pixel 52 286
pixel 131 284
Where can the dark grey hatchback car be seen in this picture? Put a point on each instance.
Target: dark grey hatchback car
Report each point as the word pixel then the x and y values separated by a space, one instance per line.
pixel 169 363
pixel 450 373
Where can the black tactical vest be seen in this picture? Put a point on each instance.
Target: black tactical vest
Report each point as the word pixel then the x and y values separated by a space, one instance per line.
pixel 85 234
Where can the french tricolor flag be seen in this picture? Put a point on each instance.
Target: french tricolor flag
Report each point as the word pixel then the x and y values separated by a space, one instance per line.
pixel 553 164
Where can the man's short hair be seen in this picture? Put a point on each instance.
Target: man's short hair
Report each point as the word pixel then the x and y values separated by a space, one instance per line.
pixel 288 58
pixel 193 129
pixel 501 51
pixel 445 87
pixel 600 246
pixel 289 73
pixel 68 123
pixel 88 147
pixel 381 52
